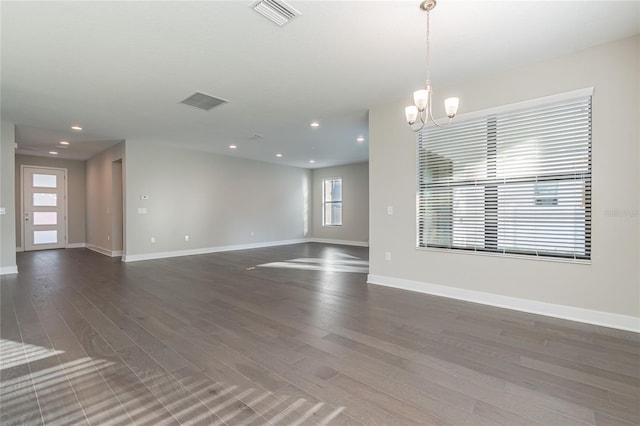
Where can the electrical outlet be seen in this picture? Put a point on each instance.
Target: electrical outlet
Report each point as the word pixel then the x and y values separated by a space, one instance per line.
pixel 186 238
pixel 153 239
pixel 387 255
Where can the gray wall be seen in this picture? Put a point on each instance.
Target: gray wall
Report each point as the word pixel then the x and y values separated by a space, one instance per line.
pixel 7 199
pixel 75 192
pixel 117 206
pixel 610 284
pixel 218 201
pixel 355 204
pixel 101 207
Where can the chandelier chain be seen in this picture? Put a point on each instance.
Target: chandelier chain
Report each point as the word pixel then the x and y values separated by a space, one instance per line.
pixel 428 55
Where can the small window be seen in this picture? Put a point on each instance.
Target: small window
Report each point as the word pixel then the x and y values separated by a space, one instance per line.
pixel 44 181
pixel 45 199
pixel 332 202
pixel 45 237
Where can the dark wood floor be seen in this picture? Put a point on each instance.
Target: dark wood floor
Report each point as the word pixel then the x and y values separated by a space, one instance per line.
pixel 302 339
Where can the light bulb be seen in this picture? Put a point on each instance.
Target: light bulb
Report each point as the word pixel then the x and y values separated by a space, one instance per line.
pixel 420 99
pixel 451 106
pixel 411 112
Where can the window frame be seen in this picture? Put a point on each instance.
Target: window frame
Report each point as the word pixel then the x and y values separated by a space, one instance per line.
pixel 325 202
pixel 486 114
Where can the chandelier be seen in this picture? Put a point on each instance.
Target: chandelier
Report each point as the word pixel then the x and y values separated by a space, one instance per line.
pixel 422 98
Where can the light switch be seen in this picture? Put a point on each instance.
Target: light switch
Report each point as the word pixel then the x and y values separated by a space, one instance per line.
pixel 389 210
pixel 142 210
pixel 3 210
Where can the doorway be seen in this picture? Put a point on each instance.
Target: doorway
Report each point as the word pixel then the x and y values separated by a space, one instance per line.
pixel 44 208
pixel 117 208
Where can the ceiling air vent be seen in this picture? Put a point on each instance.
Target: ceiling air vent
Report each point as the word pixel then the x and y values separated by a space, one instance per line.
pixel 202 101
pixel 278 12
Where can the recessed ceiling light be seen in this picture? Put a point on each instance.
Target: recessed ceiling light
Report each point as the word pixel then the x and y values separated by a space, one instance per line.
pixel 53 152
pixel 76 128
pixel 360 139
pixel 312 161
pixel 315 124
pixel 64 143
pixel 278 155
pixel 232 147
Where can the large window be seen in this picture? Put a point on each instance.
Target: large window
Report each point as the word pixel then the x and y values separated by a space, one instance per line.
pixel 332 202
pixel 517 180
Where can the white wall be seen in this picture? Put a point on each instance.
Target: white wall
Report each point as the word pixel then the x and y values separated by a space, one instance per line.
pixel 608 290
pixel 355 205
pixel 7 199
pixel 101 207
pixel 219 202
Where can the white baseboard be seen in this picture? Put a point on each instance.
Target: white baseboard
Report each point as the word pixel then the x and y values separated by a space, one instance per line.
pixel 340 242
pixel 606 319
pixel 8 270
pixel 70 245
pixel 206 250
pixel 102 250
pixel 76 245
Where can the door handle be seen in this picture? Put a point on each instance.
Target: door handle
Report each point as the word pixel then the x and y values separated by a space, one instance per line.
pixel 26 217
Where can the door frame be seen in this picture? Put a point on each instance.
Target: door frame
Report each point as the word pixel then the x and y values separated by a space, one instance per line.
pixel 66 204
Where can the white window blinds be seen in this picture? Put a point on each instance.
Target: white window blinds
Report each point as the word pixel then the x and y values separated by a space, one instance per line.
pixel 332 202
pixel 510 182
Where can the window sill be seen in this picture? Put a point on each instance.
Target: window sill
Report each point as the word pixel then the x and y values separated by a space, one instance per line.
pixel 506 255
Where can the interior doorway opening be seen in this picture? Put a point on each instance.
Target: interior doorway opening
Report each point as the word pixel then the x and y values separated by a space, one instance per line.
pixel 117 208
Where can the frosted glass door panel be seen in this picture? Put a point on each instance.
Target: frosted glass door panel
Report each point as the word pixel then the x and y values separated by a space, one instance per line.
pixel 45 237
pixel 45 218
pixel 45 200
pixel 45 181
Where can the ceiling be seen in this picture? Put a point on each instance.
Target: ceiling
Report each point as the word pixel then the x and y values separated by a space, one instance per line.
pixel 120 69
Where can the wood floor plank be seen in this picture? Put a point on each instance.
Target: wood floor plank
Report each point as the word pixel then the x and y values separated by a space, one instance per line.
pixel 18 399
pixel 255 337
pixel 56 396
pixel 232 404
pixel 263 355
pixel 124 384
pixel 97 398
pixel 391 405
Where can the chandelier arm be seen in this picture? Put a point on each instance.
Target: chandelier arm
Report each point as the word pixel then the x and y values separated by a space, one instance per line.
pixel 423 120
pixel 414 130
pixel 447 124
pixel 433 120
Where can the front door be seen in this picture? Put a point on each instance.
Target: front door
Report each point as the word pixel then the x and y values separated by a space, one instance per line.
pixel 44 205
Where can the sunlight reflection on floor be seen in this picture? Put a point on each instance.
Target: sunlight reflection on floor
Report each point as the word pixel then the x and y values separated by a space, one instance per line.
pixel 321 264
pixel 13 353
pixel 29 388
